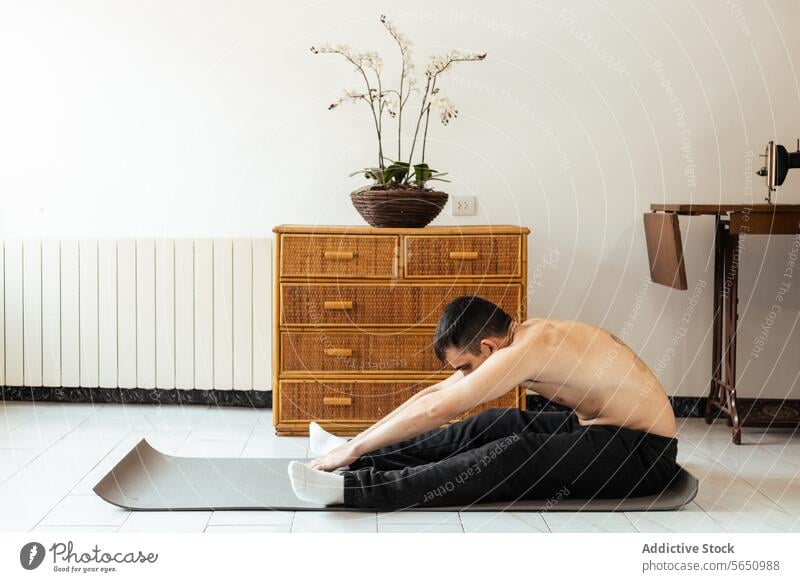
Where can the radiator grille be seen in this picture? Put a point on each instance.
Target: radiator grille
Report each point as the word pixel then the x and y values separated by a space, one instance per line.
pixel 136 313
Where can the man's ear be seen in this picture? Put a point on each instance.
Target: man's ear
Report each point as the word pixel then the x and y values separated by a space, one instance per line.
pixel 490 344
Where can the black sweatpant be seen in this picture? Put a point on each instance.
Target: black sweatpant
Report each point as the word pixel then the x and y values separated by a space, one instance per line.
pixel 507 454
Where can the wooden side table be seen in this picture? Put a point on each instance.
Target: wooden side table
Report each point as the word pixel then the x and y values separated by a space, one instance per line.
pixel 731 221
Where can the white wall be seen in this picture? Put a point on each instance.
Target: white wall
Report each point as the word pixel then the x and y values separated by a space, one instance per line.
pixel 208 118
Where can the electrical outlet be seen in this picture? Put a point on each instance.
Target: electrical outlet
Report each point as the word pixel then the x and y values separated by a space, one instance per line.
pixel 463 206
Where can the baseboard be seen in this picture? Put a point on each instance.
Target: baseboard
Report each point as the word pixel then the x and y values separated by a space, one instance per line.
pixel 241 398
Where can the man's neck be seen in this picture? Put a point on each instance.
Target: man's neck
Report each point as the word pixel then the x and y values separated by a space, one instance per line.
pixel 512 329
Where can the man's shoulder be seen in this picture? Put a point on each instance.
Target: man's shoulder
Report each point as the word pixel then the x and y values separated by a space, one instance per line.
pixel 561 333
pixel 533 330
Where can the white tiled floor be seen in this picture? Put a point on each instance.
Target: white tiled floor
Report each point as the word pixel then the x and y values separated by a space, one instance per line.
pixel 51 455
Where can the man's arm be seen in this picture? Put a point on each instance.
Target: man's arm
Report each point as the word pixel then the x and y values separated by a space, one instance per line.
pixel 501 372
pixel 444 384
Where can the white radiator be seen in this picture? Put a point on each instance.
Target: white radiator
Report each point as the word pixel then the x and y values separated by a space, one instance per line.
pixel 144 313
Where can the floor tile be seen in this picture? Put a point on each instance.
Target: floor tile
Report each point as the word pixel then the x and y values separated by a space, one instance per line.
pixel 36 433
pixel 168 441
pixel 76 529
pixel 10 418
pixel 172 417
pixel 120 414
pixel 784 491
pixel 262 445
pixel 758 519
pixel 251 518
pixel 66 409
pixel 753 463
pixel 585 517
pixel 12 460
pixel 212 448
pixel 593 528
pixel 41 485
pixel 222 432
pixel 334 521
pixel 419 517
pixel 166 521
pixel 690 519
pixel 728 494
pixel 93 441
pixel 85 510
pixel 417 528
pixel 223 529
pixel 505 522
pixel 741 508
pixel 226 424
pixel 792 511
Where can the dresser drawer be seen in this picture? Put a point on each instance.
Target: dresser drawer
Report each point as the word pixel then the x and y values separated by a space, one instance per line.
pixel 462 256
pixel 366 400
pixel 356 352
pixel 406 305
pixel 345 400
pixel 309 255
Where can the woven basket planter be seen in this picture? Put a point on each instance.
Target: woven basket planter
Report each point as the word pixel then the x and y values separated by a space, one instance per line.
pixel 398 208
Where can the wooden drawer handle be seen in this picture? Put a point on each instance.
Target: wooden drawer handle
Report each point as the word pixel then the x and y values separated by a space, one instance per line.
pixel 338 305
pixel 463 254
pixel 339 255
pixel 337 400
pixel 338 351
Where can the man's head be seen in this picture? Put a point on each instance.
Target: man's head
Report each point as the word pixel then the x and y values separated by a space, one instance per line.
pixel 470 329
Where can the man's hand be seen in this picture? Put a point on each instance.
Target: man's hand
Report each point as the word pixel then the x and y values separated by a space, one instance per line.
pixel 341 456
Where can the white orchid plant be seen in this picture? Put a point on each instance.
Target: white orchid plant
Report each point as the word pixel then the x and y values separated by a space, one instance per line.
pixel 400 172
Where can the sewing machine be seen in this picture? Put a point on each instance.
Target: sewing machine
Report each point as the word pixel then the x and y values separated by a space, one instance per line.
pixel 779 162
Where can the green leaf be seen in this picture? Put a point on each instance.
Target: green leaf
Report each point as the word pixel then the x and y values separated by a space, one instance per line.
pixel 422 173
pixel 396 171
pixel 376 174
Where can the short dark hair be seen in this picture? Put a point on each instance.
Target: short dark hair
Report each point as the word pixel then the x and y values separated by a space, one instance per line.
pixel 465 321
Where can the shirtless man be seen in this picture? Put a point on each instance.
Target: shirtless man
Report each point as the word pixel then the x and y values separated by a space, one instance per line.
pixel 617 439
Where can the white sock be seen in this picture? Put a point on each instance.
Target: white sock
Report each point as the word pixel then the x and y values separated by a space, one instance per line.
pixel 316 486
pixel 321 441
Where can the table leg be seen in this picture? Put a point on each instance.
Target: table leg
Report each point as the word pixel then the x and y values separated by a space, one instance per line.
pixel 714 392
pixel 722 393
pixel 731 321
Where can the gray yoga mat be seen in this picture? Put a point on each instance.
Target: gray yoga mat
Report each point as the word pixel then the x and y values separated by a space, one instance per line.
pixel 148 480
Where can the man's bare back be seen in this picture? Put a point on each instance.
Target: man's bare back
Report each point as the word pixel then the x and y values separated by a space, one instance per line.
pixel 594 373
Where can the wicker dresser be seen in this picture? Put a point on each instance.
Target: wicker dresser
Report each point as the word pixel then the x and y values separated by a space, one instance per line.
pixel 355 308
